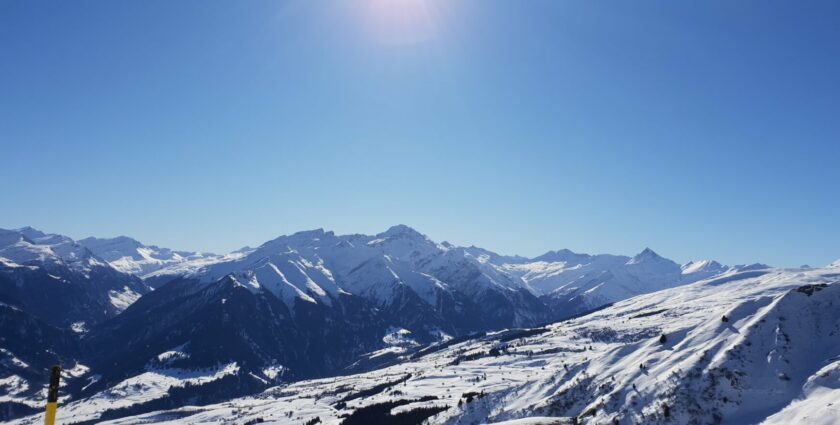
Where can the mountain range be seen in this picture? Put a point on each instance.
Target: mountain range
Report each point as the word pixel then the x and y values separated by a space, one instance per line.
pixel 140 328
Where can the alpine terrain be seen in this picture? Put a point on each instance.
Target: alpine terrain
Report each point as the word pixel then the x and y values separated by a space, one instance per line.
pixel 397 328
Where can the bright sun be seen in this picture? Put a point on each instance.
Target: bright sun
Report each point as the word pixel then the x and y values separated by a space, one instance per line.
pixel 402 21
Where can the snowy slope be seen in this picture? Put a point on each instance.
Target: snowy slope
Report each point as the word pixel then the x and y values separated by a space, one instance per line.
pixel 819 403
pixel 748 347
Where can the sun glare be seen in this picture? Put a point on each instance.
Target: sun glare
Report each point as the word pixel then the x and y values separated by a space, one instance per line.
pixel 401 21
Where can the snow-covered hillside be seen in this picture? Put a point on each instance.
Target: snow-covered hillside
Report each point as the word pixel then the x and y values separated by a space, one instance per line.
pixel 748 347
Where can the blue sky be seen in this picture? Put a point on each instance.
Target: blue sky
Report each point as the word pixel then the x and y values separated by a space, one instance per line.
pixel 700 129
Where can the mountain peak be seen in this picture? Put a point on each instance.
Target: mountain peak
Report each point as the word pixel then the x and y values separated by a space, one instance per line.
pixel 31 232
pixel 705 267
pixel 561 252
pixel 560 255
pixel 401 230
pixel 649 252
pixel 753 266
pixel 646 254
pixel 128 239
pixel 297 239
pixel 650 257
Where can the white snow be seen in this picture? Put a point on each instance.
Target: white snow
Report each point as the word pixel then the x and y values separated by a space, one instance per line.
pixel 142 388
pixel 591 281
pixel 399 337
pixel 5 262
pixel 9 359
pixel 273 372
pixel 122 299
pixel 543 420
pixel 177 353
pixel 130 256
pixel 76 371
pixel 13 385
pixel 819 403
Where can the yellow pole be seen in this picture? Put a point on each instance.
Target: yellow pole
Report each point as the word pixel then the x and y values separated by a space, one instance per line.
pixel 52 396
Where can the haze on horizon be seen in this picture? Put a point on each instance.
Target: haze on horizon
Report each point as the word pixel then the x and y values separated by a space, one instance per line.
pixel 699 130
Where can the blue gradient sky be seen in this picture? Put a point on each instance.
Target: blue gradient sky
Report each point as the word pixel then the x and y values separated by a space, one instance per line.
pixel 709 129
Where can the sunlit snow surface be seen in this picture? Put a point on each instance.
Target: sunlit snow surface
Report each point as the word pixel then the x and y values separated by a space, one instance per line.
pixel 122 299
pixel 151 385
pixel 774 359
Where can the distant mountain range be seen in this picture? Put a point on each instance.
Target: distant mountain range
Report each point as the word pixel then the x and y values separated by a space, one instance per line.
pixel 307 305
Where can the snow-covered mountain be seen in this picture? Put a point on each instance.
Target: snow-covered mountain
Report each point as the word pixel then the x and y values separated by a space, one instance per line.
pixel 61 281
pixel 755 346
pixel 130 256
pixel 316 265
pixel 33 247
pixel 399 268
pixel 319 264
pixel 582 282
